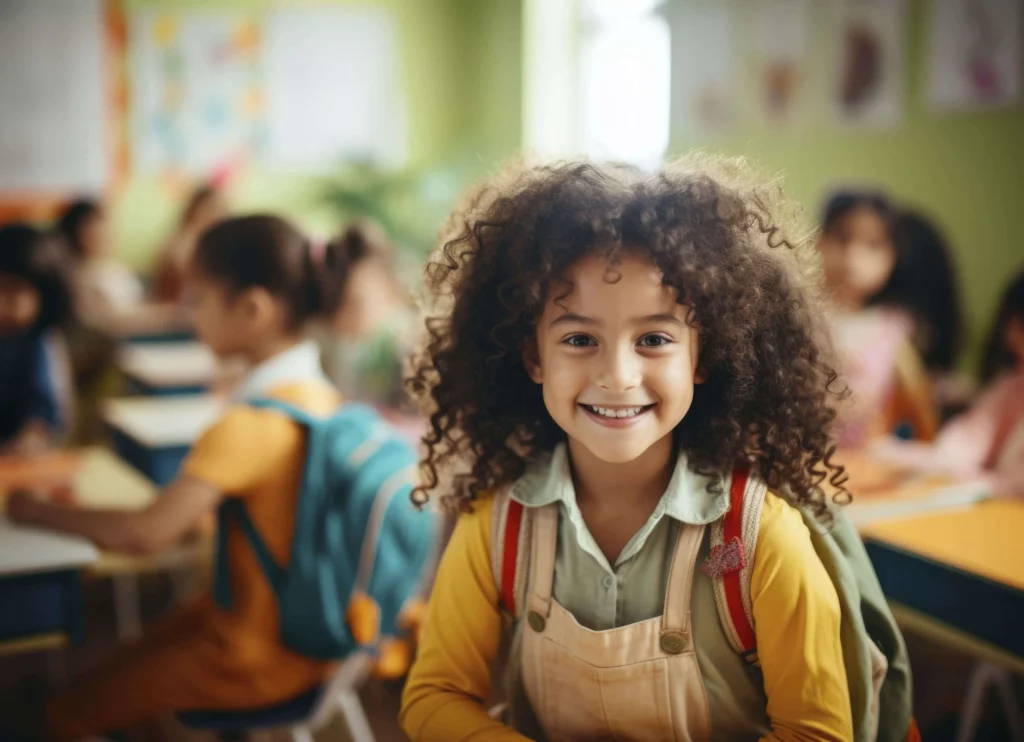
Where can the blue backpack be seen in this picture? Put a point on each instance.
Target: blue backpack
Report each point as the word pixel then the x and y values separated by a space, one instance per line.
pixel 356 529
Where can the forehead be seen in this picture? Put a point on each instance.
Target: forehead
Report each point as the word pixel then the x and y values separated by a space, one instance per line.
pixel 596 287
pixel 863 219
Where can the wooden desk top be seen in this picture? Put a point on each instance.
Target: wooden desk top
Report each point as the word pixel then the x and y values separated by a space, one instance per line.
pixel 984 539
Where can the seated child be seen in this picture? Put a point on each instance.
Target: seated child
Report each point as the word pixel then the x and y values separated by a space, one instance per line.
pixel 987 439
pixel 867 271
pixel 108 297
pixel 256 286
pixel 33 303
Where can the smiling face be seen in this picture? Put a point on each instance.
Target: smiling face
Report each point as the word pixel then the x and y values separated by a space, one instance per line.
pixel 615 356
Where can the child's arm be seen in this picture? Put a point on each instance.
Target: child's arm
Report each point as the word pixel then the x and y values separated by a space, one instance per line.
pixel 796 622
pixel 172 515
pixel 450 682
pixel 912 397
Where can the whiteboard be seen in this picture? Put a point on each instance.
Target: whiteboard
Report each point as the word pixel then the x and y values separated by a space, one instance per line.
pixel 53 96
pixel 331 76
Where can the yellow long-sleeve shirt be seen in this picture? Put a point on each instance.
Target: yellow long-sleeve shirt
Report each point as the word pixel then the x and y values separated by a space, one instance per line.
pixel 796 611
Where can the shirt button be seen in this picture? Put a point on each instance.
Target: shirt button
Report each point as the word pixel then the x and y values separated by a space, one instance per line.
pixel 607 581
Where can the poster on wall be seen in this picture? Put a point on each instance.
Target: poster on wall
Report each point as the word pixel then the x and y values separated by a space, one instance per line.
pixel 333 91
pixel 703 52
pixel 974 54
pixel 781 46
pixel 197 96
pixel 53 121
pixel 868 38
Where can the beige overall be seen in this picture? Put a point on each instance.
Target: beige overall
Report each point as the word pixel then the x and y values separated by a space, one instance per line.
pixel 636 682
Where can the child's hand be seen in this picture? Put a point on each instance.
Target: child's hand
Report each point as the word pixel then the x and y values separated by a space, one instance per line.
pixel 22 506
pixel 33 439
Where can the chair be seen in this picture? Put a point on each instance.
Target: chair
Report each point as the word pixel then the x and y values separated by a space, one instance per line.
pixel 303 715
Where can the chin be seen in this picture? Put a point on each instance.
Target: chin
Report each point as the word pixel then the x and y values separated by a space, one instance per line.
pixel 618 454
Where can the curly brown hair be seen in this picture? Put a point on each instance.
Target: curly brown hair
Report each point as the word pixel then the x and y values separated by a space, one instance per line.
pixel 724 237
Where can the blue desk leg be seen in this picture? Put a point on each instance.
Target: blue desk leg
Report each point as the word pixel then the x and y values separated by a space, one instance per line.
pixel 40 604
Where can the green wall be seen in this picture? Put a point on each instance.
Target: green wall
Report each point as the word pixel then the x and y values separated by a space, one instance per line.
pixel 965 170
pixel 460 73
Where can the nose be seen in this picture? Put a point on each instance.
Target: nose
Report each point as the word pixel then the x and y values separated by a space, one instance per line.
pixel 620 369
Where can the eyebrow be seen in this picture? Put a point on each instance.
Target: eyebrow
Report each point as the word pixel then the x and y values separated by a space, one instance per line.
pixel 579 319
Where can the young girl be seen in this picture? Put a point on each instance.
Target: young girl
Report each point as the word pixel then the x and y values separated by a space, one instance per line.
pixel 33 303
pixel 256 283
pixel 874 325
pixel 605 348
pixel 107 296
pixel 205 207
pixel 988 439
pixel 368 339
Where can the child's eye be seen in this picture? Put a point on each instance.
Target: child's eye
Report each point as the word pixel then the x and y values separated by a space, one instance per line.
pixel 579 341
pixel 654 341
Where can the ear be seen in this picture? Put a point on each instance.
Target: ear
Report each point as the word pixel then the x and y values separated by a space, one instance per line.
pixel 257 305
pixel 531 361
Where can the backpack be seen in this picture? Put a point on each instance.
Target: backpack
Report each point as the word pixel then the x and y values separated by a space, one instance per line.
pixel 357 533
pixel 874 655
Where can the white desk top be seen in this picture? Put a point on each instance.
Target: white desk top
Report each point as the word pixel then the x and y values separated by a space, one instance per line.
pixel 169 364
pixel 163 421
pixel 24 550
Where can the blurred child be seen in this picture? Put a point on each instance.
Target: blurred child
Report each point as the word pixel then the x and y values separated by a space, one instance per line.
pixel 206 206
pixel 367 341
pixel 256 284
pixel 988 439
pixel 933 299
pixel 607 351
pixel 33 302
pixel 108 296
pixel 868 273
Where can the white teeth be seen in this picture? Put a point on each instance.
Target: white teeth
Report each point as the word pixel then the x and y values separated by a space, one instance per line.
pixel 608 412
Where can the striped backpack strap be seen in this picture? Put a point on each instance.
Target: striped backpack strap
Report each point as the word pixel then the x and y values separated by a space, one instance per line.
pixel 510 553
pixel 731 559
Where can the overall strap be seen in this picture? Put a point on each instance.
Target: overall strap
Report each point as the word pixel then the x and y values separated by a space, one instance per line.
pixel 542 559
pixel 676 616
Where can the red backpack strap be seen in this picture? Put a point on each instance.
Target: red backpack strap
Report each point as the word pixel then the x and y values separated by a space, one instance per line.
pixel 731 558
pixel 509 552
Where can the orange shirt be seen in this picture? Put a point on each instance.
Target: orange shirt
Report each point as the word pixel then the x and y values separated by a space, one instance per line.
pixel 259 455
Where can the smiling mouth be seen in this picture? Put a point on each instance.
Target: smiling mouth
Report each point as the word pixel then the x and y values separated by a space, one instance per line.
pixel 616 413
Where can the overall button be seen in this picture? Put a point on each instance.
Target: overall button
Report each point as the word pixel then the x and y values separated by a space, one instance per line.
pixel 536 621
pixel 673 642
pixel 606 582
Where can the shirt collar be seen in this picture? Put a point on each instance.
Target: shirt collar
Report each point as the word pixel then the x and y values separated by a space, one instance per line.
pixel 301 362
pixel 548 479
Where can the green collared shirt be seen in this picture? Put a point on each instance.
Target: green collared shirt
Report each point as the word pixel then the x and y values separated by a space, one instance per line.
pixel 606 596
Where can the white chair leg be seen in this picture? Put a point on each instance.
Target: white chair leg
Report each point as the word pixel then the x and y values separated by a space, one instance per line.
pixel 354 716
pixel 974 703
pixel 983 677
pixel 1003 681
pixel 302 734
pixel 126 604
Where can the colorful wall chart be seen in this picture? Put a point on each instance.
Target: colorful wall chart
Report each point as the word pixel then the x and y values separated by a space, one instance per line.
pixel 197 94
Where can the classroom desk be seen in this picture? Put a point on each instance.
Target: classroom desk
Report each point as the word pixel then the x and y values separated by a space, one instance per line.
pixel 154 434
pixel 90 478
pixel 958 576
pixel 170 368
pixel 39 587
